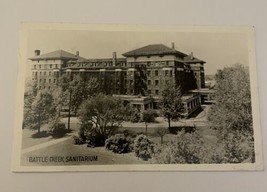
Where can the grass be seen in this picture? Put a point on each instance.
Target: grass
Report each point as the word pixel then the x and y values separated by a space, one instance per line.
pixel 67 148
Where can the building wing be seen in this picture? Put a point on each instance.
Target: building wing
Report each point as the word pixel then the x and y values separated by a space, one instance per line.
pixel 59 54
pixel 154 49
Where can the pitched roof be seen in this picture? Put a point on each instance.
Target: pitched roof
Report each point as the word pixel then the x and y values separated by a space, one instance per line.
pixel 189 59
pixel 59 54
pixel 154 49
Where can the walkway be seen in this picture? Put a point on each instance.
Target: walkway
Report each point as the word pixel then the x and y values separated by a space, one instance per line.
pixel 44 145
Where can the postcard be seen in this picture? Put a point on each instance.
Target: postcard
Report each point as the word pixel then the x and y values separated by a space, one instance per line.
pixel 136 98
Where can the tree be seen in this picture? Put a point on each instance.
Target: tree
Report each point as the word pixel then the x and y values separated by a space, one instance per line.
pixel 29 95
pixel 82 89
pixel 143 147
pixel 76 89
pixel 43 110
pixel 148 117
pixel 105 113
pixel 185 148
pixel 160 131
pixel 171 104
pixel 231 115
pixel 232 109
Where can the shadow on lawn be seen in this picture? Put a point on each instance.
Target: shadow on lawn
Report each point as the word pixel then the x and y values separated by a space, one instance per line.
pixel 56 134
pixel 186 129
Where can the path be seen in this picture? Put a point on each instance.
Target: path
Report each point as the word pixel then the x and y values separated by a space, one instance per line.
pixel 44 145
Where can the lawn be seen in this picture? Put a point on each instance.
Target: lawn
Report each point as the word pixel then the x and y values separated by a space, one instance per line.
pixel 67 149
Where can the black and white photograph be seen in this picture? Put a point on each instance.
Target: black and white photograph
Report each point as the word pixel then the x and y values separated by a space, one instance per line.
pixel 136 98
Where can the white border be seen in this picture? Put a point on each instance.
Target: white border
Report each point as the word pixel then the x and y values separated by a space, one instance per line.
pixel 16 167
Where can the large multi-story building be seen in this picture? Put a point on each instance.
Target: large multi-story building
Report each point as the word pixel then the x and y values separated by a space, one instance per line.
pixel 138 78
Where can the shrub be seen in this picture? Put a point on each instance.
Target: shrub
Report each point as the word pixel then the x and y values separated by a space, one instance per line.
pixel 77 140
pixel 135 116
pixel 186 129
pixel 89 135
pixel 59 130
pixel 238 147
pixel 119 144
pixel 143 147
pixel 187 148
pixel 84 131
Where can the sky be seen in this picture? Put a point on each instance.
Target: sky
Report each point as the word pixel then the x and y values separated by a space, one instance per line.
pixel 218 49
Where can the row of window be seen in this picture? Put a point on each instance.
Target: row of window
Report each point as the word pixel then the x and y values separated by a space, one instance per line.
pixel 44 87
pixel 131 91
pixel 48 80
pixel 131 82
pixel 48 61
pixel 55 73
pixel 149 73
pixel 106 64
pixel 150 64
pixel 51 66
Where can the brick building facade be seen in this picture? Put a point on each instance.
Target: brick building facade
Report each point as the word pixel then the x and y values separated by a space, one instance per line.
pixel 139 77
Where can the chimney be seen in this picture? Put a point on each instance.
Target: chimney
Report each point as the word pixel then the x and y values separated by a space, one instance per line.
pixel 191 56
pixel 77 53
pixel 114 58
pixel 173 45
pixel 37 52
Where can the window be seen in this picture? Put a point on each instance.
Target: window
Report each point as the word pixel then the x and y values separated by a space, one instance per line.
pixel 156 82
pixel 40 80
pixel 171 73
pixel 56 65
pixel 45 73
pixel 149 82
pixel 34 67
pixel 149 91
pixel 148 73
pixel 40 66
pixel 49 80
pixel 51 66
pixel 40 72
pixel 49 73
pixel 156 72
pixel 44 80
pixel 166 72
pixel 55 80
pixel 157 92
